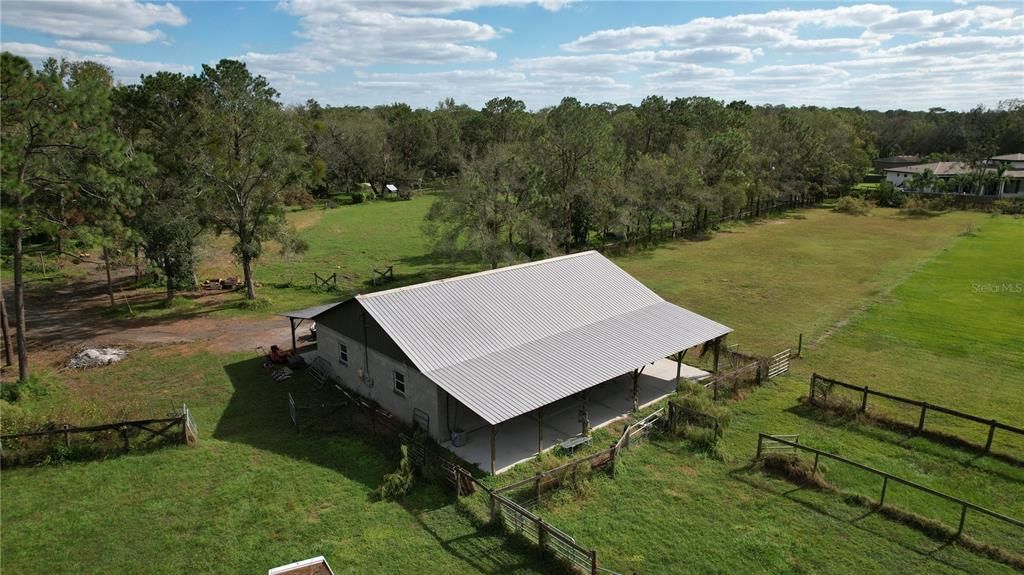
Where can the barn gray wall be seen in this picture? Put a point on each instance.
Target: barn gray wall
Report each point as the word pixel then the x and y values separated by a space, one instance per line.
pixel 373 379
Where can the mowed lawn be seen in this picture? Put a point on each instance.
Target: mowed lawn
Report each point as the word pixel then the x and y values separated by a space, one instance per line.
pixel 671 508
pixel 254 494
pixel 251 495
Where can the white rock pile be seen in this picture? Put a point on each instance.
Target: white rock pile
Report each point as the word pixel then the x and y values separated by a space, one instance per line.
pixel 97 357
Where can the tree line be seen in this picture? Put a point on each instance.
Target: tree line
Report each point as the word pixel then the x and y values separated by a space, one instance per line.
pixel 151 166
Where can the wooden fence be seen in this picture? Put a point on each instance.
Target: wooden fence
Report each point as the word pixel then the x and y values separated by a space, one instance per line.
pixel 679 415
pixel 325 283
pixel 19 448
pixel 821 387
pixel 762 438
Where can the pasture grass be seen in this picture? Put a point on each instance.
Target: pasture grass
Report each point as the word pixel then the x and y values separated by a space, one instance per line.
pixel 254 493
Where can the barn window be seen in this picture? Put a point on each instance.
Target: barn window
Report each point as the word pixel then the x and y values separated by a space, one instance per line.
pixel 342 354
pixel 400 383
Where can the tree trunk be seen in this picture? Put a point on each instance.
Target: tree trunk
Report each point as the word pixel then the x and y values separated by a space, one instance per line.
pixel 19 301
pixel 170 281
pixel 6 329
pixel 250 287
pixel 110 282
pixel 138 265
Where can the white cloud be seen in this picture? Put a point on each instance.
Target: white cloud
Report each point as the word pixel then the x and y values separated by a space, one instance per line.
pixel 84 45
pixel 359 34
pixel 104 21
pixel 780 28
pixel 124 70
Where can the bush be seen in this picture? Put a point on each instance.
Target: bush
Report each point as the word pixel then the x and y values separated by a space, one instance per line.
pixel 395 485
pixel 361 196
pixel 853 206
pixel 887 196
pixel 1012 207
pixel 35 386
pixel 915 206
pixel 258 304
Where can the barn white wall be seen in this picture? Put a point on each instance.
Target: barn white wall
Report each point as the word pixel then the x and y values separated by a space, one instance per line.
pixel 370 375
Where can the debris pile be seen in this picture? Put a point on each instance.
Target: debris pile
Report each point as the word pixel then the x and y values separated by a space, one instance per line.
pixel 97 357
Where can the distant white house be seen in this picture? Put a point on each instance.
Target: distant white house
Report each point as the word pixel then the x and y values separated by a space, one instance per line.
pixel 1012 183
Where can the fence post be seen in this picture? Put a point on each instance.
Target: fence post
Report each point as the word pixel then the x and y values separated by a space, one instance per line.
pixel 542 535
pixel 593 562
pixel 799 345
pixel 991 432
pixel 864 400
pixel 885 484
pixel 67 436
pixel 492 507
pixel 124 435
pixel 815 472
pixel 760 438
pixel 810 393
pixel 920 423
pixel 963 517
pixel 536 487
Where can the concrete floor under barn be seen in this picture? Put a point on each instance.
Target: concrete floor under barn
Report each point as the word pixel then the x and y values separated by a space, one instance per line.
pixel 516 439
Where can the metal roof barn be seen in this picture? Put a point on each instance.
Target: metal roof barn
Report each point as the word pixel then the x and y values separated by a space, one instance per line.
pixel 508 341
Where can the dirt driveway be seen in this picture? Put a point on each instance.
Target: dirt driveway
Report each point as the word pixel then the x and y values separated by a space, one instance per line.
pixel 62 320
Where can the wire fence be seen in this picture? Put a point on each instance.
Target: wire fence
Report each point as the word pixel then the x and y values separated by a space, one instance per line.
pixel 768 442
pixel 911 414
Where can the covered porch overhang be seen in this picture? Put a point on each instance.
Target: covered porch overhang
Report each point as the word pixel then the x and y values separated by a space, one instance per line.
pixel 295 318
pixel 497 448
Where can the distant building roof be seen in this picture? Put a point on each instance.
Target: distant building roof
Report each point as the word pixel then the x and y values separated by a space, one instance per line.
pixel 1009 158
pixel 899 159
pixel 937 168
pixel 507 341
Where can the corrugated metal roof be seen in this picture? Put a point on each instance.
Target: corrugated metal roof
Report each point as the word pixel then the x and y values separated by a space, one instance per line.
pixel 309 312
pixel 508 341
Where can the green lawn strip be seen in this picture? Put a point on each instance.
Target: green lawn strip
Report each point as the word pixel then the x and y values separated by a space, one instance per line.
pixel 772 280
pixel 947 337
pixel 251 495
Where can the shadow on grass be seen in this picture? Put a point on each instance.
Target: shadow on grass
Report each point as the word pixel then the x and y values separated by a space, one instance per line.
pixel 746 475
pixel 340 440
pixel 897 433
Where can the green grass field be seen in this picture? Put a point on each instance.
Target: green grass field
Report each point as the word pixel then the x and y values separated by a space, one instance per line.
pixel 888 292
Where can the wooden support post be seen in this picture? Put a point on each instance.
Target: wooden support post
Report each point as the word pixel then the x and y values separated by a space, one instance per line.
pixel 593 562
pixel 67 435
pixel 679 367
pixel 540 430
pixel 291 320
pixel 494 450
pixel 963 517
pixel 542 535
pixel 493 499
pixel 864 400
pixel 920 423
pixel 636 389
pixel 810 392
pixel 815 471
pixel 718 346
pixel 536 487
pixel 799 345
pixel 885 485
pixel 760 440
pixel 585 415
pixel 991 433
pixel 124 436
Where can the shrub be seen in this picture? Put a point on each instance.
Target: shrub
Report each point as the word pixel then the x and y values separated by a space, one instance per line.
pixel 35 386
pixel 887 196
pixel 1013 207
pixel 395 485
pixel 359 197
pixel 853 206
pixel 915 206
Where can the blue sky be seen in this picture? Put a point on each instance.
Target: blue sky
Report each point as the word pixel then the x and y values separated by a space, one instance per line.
pixel 875 55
